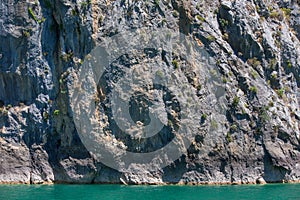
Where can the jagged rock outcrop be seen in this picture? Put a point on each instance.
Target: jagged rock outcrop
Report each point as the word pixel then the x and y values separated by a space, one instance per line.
pixel 256 47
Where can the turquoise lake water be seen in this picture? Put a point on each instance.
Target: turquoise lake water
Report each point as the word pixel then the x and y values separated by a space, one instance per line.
pixel 91 192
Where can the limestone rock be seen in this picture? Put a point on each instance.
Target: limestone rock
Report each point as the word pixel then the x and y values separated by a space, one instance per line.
pixel 249 122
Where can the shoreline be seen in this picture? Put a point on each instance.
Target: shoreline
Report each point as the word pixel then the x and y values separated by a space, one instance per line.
pixel 153 184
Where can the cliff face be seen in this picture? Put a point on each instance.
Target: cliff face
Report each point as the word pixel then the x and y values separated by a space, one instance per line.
pixel 256 48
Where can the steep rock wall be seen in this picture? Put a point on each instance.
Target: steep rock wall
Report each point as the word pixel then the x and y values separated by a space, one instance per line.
pixel 256 46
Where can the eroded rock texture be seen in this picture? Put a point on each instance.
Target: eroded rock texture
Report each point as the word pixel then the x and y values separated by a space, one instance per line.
pixel 257 52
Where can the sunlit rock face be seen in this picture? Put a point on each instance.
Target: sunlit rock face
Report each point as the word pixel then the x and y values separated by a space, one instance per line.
pixel 242 109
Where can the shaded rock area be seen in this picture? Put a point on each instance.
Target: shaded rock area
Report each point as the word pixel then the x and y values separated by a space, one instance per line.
pixel 256 48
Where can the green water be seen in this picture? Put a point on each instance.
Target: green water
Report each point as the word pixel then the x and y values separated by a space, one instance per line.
pixel 111 192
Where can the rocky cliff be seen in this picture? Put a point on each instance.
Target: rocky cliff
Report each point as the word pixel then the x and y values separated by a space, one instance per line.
pixel 256 49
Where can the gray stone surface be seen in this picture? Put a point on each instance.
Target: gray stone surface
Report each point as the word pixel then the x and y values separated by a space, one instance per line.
pixel 256 47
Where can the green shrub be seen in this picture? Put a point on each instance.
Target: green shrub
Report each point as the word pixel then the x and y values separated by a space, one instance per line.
pixel 274 14
pixel 214 124
pixel 159 73
pixel 41 20
pixel 32 14
pixel 233 128
pixel 203 117
pixel 226 36
pixel 67 57
pixel 228 137
pixel 224 23
pixel 26 33
pixel 264 116
pixel 74 12
pixel 289 64
pixel 253 89
pixel 45 115
pixel 199 87
pixel 175 13
pixel 3 111
pixel 273 63
pixel 211 38
pixel 85 4
pixel 216 11
pixel 287 12
pixel 235 101
pixel 257 8
pixel 175 64
pixel 280 92
pixel 253 73
pixel 198 17
pixel 213 73
pixel 253 62
pixel 56 112
pixel 274 75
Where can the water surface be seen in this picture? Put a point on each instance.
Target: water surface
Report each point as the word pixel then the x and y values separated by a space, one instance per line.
pixel 120 192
